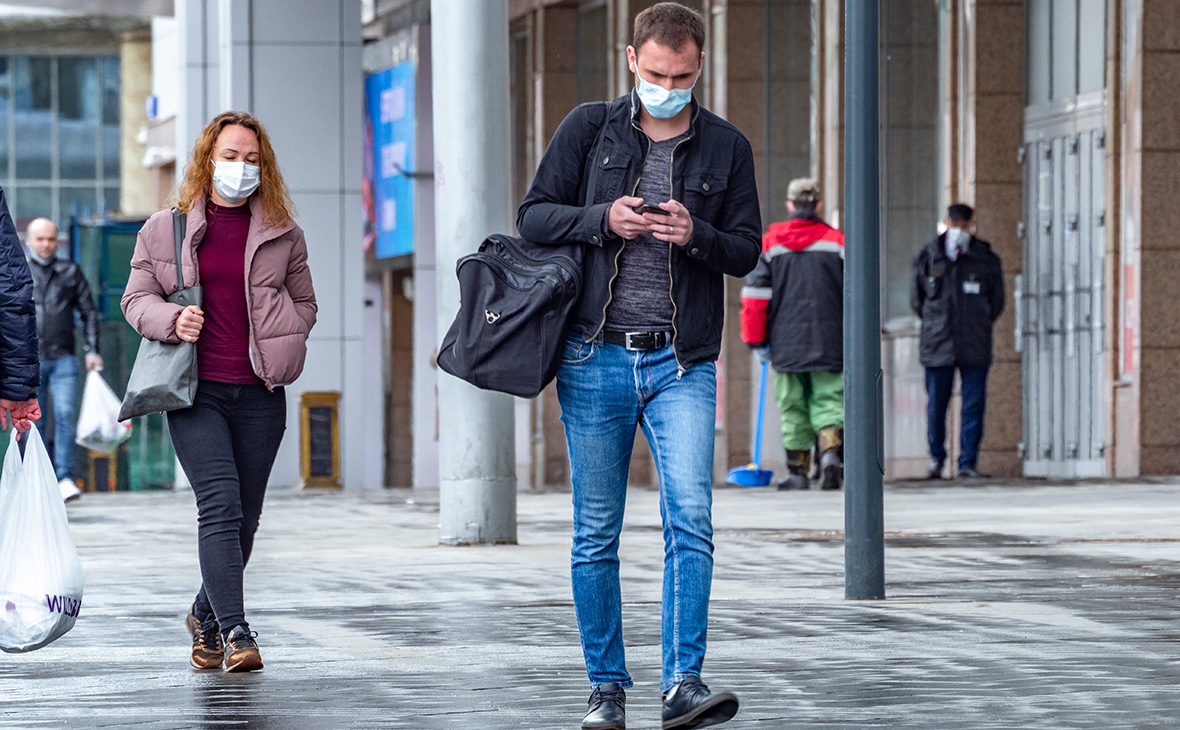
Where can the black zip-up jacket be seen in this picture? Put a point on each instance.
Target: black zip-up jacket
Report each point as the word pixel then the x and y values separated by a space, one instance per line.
pixel 59 288
pixel 958 302
pixel 712 176
pixel 20 371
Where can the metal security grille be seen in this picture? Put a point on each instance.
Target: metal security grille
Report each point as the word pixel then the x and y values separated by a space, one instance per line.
pixel 1059 301
pixel 1059 324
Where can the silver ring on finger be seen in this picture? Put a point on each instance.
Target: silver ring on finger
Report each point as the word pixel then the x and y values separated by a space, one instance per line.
pixel 671 230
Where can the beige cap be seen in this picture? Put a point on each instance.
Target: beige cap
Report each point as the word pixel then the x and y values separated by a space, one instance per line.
pixel 804 189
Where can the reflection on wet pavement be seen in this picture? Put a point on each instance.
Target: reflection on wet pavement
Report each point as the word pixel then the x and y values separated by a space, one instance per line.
pixel 1010 606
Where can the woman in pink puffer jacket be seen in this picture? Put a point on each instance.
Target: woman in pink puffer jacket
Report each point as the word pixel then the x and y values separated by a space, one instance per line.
pixel 243 248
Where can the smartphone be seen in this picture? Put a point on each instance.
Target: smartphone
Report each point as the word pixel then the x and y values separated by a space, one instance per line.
pixel 650 208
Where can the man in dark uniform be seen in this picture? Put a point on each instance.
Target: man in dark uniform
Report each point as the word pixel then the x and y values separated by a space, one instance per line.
pixel 958 292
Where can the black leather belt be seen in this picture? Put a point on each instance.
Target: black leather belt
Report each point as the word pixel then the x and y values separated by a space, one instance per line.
pixel 637 340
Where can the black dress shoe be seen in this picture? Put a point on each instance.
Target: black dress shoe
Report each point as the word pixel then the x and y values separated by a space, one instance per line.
pixel 935 470
pixel 607 708
pixel 690 704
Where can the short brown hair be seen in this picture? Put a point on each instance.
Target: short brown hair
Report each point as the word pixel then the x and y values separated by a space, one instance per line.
pixel 671 25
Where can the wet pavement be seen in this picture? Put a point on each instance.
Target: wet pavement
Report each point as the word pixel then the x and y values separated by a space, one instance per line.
pixel 1010 605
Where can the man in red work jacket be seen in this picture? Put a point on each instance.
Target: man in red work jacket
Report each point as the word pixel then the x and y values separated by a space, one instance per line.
pixel 793 318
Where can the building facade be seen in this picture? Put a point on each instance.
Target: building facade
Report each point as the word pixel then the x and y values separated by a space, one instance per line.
pixel 1052 118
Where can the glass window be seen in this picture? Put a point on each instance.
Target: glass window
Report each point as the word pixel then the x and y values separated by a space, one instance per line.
pixel 59 135
pixel 1064 49
pixel 29 202
pixel 1092 46
pixel 1037 64
pixel 5 116
pixel 521 89
pixel 110 118
pixel 911 192
pixel 110 91
pixel 33 116
pixel 593 74
pixel 77 202
pixel 787 154
pixel 77 117
pixel 110 201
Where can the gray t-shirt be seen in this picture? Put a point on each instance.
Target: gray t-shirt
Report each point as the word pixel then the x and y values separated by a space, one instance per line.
pixel 641 296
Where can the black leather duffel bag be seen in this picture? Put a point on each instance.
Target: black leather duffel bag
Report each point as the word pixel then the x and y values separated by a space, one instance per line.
pixel 515 300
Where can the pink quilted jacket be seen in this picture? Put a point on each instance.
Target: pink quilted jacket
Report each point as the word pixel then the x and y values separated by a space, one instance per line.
pixel 279 294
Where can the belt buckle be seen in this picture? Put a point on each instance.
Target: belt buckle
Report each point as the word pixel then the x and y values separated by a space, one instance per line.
pixel 641 340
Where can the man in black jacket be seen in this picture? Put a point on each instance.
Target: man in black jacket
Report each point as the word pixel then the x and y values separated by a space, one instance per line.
pixel 958 292
pixel 60 289
pixel 793 317
pixel 19 370
pixel 675 208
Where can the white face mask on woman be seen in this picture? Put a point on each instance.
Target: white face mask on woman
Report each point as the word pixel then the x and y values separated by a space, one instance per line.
pixel 235 181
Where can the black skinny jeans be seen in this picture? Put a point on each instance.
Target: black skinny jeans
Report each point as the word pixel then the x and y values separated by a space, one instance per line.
pixel 227 443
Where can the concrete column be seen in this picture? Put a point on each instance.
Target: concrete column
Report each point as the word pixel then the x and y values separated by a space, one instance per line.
pixel 197 34
pixel 830 98
pixel 1124 197
pixel 555 85
pixel 135 73
pixel 993 182
pixel 297 67
pixel 1157 150
pixel 477 469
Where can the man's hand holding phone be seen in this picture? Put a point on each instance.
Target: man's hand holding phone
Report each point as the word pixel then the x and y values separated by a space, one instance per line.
pixel 652 208
pixel 670 221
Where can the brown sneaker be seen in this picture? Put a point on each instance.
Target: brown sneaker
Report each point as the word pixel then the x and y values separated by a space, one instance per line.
pixel 206 636
pixel 241 651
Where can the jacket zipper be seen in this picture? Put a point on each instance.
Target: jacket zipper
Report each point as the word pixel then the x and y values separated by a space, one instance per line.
pixel 558 261
pixel 495 261
pixel 610 284
pixel 671 166
pixel 250 320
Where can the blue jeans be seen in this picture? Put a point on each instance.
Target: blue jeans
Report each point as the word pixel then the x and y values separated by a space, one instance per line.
pixel 59 379
pixel 974 389
pixel 606 391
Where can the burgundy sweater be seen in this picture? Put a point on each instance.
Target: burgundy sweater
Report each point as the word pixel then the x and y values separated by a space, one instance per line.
pixel 223 349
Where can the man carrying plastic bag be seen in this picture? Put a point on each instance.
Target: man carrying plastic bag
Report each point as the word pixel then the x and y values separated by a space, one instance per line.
pixel 41 578
pixel 98 422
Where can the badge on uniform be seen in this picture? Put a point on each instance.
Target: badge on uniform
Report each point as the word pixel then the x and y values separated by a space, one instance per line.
pixel 970 287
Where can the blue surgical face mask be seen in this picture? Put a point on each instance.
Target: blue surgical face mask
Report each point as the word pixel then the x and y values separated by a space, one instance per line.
pixel 662 103
pixel 235 181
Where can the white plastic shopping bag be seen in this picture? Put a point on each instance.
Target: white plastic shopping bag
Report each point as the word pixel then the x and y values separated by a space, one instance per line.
pixel 98 421
pixel 41 577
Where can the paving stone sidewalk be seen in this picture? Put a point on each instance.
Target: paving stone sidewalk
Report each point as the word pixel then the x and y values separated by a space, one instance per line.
pixel 1010 605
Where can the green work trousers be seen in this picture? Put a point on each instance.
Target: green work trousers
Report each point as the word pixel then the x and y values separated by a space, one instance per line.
pixel 809 402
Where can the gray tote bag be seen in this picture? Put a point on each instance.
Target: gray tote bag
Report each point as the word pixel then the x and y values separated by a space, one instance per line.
pixel 164 376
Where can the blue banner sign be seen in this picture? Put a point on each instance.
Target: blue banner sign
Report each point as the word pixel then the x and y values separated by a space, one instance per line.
pixel 389 107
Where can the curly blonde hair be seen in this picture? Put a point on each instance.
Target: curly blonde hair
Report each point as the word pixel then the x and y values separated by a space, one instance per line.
pixel 198 177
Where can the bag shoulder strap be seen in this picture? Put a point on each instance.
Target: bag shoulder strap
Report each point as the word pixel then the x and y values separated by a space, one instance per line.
pixel 178 224
pixel 588 198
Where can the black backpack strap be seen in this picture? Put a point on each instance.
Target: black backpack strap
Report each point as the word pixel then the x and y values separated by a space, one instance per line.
pixel 588 197
pixel 178 221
